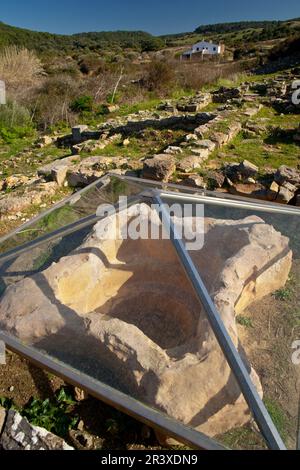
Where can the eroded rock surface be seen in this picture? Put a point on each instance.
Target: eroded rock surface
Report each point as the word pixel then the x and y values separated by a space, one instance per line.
pixel 17 433
pixel 127 306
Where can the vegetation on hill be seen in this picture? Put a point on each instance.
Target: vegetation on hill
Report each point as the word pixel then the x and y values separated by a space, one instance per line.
pixel 235 26
pixel 40 41
pixel 290 47
pixel 238 34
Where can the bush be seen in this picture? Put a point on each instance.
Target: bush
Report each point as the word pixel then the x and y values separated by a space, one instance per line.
pixel 15 122
pixel 19 67
pixel 159 75
pixel 91 63
pixel 82 104
pixel 13 114
pixel 53 99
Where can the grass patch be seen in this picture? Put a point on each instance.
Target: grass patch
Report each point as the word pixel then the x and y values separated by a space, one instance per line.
pixel 242 438
pixel 244 321
pixel 278 416
pixel 283 294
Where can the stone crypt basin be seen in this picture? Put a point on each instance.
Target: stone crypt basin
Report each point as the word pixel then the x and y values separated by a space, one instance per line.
pixel 126 307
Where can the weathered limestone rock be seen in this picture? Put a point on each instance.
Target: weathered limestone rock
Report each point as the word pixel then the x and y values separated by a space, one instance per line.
pixel 92 168
pixel 196 181
pixel 247 169
pixel 253 190
pixel 57 170
pixel 173 150
pixel 189 164
pixel 128 306
pixel 252 111
pixel 202 153
pixel 19 434
pixel 190 137
pixel 206 144
pixel 45 140
pixel 216 179
pixel 219 138
pixel 13 181
pixel 240 172
pixel 254 128
pixel 168 107
pixel 287 174
pixel 89 146
pixel 286 193
pixel 34 194
pixel 112 108
pixel 233 129
pixel 161 167
pixel 224 94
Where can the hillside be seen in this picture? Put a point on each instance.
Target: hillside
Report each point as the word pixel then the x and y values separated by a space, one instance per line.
pixel 234 35
pixel 94 41
pixel 238 33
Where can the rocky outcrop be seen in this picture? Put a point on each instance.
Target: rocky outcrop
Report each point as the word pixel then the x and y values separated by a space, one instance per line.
pixel 126 306
pixel 16 433
pixel 223 94
pixel 12 203
pixel 160 167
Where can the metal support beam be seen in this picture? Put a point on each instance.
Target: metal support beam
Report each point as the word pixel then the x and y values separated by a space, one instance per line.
pixel 66 230
pixel 128 405
pixel 232 203
pixel 235 362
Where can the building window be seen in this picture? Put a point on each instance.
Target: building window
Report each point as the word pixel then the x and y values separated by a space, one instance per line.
pixel 215 48
pixel 198 48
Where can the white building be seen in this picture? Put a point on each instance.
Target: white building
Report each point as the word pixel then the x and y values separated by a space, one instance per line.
pixel 202 48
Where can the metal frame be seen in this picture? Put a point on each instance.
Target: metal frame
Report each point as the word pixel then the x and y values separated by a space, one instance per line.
pixel 210 197
pixel 110 395
pixel 113 397
pixel 63 231
pixel 235 362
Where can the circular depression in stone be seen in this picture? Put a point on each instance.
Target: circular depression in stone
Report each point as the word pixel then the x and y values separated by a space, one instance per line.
pixel 168 322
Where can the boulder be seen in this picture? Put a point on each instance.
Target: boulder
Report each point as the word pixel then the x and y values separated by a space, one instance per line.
pixel 160 167
pixel 127 307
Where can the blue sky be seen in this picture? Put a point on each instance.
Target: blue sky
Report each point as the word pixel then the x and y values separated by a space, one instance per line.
pixel 154 16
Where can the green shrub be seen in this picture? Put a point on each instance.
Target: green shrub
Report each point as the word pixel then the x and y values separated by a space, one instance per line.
pixel 13 114
pixel 82 103
pixel 55 416
pixel 160 76
pixel 15 122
